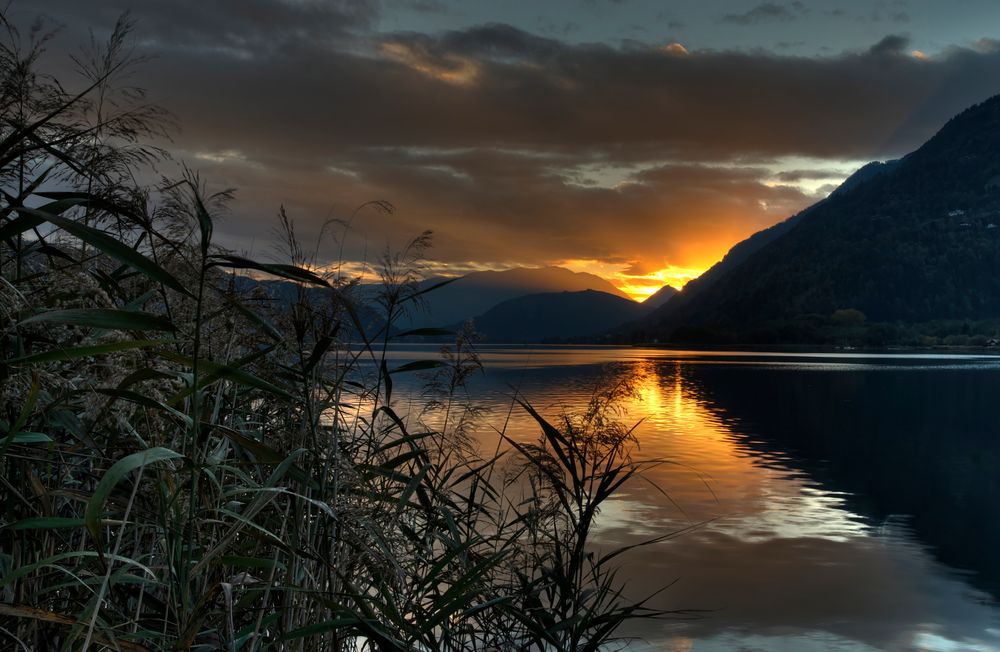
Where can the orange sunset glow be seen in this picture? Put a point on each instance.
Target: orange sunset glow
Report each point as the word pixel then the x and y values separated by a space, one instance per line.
pixel 640 286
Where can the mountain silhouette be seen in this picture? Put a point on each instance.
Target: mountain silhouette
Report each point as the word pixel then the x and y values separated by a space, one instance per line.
pixel 660 297
pixel 909 241
pixel 475 293
pixel 553 316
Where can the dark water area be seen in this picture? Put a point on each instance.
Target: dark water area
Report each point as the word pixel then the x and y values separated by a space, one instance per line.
pixel 840 501
pixel 920 445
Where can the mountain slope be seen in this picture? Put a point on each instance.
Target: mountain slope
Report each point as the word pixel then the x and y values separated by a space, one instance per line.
pixel 912 242
pixel 555 315
pixel 475 293
pixel 744 249
pixel 658 298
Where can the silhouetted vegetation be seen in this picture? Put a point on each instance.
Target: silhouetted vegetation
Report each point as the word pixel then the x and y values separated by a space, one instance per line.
pixel 186 464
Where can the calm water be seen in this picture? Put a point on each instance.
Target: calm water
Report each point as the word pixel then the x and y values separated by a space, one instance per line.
pixel 850 502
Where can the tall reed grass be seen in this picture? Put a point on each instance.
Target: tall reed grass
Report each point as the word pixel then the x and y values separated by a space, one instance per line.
pixel 186 465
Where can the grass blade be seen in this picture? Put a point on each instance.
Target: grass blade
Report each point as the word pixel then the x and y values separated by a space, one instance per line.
pixel 126 320
pixel 60 355
pixel 115 249
pixel 290 272
pixel 114 475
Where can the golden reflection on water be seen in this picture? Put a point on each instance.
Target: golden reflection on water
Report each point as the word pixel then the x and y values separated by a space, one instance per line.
pixel 710 476
pixel 777 560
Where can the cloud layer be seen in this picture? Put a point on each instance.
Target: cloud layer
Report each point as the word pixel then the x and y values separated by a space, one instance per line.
pixel 518 148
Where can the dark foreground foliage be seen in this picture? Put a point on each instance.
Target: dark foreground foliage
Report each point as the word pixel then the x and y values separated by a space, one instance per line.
pixel 184 467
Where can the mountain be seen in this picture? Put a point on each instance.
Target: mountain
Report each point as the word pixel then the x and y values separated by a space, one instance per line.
pixel 743 250
pixel 555 316
pixel 475 293
pixel 520 304
pixel 280 295
pixel 909 241
pixel 659 298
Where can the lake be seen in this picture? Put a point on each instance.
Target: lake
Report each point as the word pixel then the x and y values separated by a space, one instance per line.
pixel 842 501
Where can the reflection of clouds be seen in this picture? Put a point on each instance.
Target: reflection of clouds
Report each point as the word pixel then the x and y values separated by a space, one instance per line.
pixel 628 518
pixel 782 562
pixel 812 513
pixel 858 592
pixel 931 641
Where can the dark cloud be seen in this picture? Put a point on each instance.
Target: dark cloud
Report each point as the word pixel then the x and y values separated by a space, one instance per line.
pixel 487 205
pixel 793 176
pixel 767 11
pixel 891 45
pixel 883 12
pixel 561 29
pixel 514 146
pixel 987 45
pixel 493 40
pixel 495 85
pixel 248 27
pixel 425 6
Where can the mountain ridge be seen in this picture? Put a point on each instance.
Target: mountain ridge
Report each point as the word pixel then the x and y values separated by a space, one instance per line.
pixel 473 294
pixel 555 316
pixel 911 242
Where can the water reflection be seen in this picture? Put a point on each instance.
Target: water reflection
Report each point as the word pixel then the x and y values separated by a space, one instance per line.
pixel 846 502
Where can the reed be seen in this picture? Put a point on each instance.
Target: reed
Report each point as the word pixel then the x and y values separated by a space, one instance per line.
pixel 186 465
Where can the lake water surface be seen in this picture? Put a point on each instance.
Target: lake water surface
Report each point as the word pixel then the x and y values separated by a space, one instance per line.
pixel 846 501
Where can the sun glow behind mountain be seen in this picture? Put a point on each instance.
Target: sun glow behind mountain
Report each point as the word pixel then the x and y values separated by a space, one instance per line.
pixel 633 280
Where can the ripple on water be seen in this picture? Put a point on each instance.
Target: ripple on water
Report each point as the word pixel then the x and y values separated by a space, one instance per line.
pixel 792 469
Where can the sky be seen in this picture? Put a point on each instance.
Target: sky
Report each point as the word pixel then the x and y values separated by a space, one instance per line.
pixel 635 139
